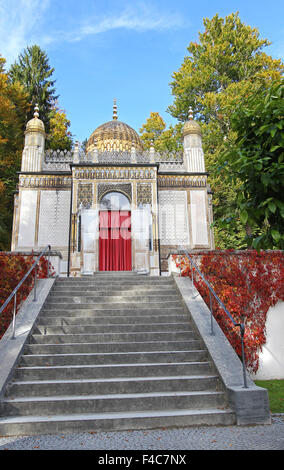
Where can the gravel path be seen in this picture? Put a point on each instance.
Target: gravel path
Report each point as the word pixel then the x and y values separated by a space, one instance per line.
pixel 269 437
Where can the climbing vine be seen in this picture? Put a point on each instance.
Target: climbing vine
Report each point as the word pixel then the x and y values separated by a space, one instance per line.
pixel 247 283
pixel 12 269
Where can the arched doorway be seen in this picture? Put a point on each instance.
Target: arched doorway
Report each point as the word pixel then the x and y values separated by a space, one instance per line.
pixel 115 233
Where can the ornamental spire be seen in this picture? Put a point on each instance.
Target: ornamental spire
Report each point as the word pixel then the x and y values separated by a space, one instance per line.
pixel 36 110
pixel 190 113
pixel 114 115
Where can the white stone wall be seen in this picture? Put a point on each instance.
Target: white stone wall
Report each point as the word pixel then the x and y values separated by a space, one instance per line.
pixel 271 358
pixel 27 219
pixel 90 235
pixel 199 222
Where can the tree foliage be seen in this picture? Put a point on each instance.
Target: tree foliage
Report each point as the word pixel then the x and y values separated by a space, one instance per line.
pixel 28 81
pixel 12 269
pixel 33 71
pixel 256 160
pixel 163 139
pixel 248 283
pixel 14 106
pixel 218 75
pixel 59 136
pixel 221 69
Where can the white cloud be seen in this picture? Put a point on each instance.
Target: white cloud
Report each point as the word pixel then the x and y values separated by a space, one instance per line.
pixel 138 18
pixel 20 21
pixel 25 22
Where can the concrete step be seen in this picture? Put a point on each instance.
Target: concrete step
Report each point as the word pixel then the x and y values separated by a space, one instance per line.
pixel 118 311
pixel 112 403
pixel 112 337
pixel 115 281
pixel 112 386
pixel 119 421
pixel 113 351
pixel 83 299
pixel 110 328
pixel 116 275
pixel 67 348
pixel 39 360
pixel 104 290
pixel 112 370
pixel 88 293
pixel 112 320
pixel 109 305
pixel 118 285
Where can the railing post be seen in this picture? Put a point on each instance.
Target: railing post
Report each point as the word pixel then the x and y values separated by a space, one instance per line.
pixel 14 316
pixel 35 283
pixel 48 261
pixel 192 279
pixel 211 310
pixel 242 331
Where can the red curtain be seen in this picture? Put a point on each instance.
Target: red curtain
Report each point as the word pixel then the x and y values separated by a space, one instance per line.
pixel 115 241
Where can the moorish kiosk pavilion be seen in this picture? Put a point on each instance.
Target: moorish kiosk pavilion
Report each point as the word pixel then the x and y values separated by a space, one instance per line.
pixel 113 206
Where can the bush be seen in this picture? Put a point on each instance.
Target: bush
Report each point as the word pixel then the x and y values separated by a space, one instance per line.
pixel 12 269
pixel 248 283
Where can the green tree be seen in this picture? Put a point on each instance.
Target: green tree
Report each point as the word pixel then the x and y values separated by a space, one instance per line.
pixel 14 107
pixel 163 139
pixel 221 70
pixel 33 71
pixel 218 75
pixel 256 161
pixel 59 136
pixel 152 129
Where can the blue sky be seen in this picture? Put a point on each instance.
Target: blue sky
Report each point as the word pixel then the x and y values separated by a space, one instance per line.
pixel 121 49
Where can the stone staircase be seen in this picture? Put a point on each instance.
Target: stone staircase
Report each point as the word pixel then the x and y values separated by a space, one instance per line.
pixel 113 351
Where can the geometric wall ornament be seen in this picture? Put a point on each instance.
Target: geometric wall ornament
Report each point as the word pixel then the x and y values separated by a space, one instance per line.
pixel 54 218
pixel 144 193
pixel 124 188
pixel 173 218
pixel 85 195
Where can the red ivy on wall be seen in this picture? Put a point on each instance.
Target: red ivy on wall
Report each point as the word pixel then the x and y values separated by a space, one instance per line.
pixel 247 283
pixel 12 270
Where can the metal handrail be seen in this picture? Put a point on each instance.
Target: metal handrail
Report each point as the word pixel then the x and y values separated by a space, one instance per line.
pixel 14 293
pixel 212 292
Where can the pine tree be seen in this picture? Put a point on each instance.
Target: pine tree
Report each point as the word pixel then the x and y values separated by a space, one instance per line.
pixel 33 71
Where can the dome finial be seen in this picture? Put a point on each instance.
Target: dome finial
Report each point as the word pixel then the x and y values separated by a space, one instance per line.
pixel 114 115
pixel 36 109
pixel 191 126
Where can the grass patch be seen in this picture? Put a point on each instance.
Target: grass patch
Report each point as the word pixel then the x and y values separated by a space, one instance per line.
pixel 275 392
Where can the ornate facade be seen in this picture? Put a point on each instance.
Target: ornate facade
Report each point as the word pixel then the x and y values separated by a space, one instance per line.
pixel 62 196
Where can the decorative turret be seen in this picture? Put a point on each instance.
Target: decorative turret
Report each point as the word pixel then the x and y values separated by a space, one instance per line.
pixel 33 153
pixel 192 145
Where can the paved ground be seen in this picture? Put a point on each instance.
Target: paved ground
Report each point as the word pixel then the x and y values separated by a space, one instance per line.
pixel 270 437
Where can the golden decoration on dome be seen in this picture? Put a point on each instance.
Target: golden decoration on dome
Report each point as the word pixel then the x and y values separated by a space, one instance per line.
pixel 114 136
pixel 35 124
pixel 191 126
pixel 114 114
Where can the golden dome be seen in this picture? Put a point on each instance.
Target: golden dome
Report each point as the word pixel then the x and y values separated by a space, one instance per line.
pixel 114 136
pixel 35 124
pixel 191 126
